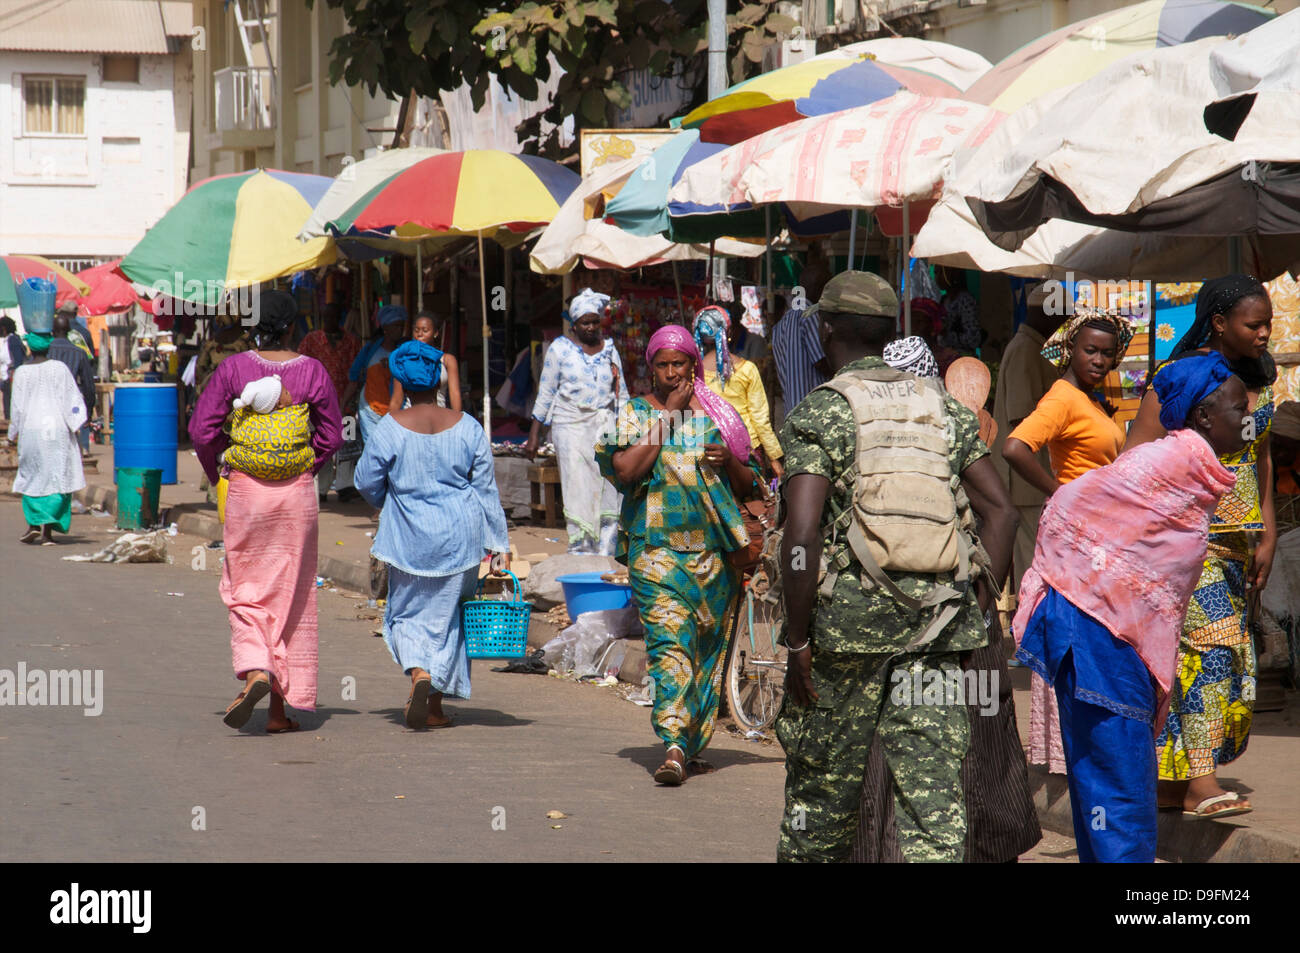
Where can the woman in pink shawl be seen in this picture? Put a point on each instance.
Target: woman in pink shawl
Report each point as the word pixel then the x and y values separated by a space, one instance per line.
pixel 1118 553
pixel 681 458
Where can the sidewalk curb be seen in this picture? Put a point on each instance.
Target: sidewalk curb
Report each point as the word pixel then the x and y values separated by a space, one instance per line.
pixel 1180 840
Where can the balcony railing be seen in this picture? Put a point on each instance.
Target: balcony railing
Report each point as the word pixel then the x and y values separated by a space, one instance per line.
pixel 243 99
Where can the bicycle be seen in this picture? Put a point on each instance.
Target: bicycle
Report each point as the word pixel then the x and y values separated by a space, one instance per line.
pixel 754 676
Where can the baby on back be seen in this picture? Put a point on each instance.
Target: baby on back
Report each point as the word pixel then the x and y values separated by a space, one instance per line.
pixel 270 435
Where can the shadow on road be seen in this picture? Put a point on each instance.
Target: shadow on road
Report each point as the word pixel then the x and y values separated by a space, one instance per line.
pixel 464 717
pixel 309 720
pixel 721 758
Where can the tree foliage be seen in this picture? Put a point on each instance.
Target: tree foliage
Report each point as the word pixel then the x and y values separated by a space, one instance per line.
pixel 432 45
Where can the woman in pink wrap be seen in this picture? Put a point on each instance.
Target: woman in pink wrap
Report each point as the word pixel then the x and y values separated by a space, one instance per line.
pixel 681 458
pixel 269 579
pixel 1118 553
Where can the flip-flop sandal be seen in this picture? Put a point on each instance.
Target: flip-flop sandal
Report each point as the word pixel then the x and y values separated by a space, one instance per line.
pixel 699 766
pixel 254 691
pixel 293 726
pixel 1228 797
pixel 417 706
pixel 451 720
pixel 31 536
pixel 670 774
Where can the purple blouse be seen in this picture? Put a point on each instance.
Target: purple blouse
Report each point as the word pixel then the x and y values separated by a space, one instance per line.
pixel 308 383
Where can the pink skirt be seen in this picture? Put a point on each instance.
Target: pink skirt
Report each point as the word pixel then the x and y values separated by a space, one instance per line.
pixel 269 582
pixel 1045 746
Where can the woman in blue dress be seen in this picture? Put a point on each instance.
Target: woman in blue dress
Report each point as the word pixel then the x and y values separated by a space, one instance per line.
pixel 430 471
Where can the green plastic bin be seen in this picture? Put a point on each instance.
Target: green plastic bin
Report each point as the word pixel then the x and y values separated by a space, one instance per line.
pixel 137 497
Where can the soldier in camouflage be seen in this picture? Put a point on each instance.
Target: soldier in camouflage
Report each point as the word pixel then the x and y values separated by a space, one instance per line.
pixel 845 650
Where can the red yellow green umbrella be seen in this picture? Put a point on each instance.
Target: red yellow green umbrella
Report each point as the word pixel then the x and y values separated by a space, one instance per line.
pixel 17 268
pixel 231 231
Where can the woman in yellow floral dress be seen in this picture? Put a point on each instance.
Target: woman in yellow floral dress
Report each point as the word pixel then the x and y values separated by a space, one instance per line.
pixel 1214 693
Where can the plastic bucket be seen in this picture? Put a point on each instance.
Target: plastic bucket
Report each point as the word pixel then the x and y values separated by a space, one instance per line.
pixel 36 302
pixel 144 428
pixel 137 497
pixel 587 592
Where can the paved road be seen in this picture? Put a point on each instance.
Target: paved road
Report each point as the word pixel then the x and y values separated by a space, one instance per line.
pixel 129 784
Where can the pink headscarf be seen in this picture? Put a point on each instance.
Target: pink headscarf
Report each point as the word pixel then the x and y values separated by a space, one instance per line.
pixel 676 338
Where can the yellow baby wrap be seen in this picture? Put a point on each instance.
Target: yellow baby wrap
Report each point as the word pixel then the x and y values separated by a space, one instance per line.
pixel 274 446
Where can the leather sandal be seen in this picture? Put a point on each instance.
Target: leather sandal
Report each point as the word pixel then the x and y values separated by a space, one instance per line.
pixel 241 709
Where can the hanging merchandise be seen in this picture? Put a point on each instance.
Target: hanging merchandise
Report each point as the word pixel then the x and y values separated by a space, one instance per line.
pixel 751 319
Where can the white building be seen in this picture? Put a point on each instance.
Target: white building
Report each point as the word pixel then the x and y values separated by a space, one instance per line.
pixel 95 124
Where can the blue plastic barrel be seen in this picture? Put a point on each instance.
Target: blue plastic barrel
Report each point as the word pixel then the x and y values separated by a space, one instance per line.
pixel 144 428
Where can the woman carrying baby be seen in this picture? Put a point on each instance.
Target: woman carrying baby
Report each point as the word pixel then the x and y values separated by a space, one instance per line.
pixel 267 421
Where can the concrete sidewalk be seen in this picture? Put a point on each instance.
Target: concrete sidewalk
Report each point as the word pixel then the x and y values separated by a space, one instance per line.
pixel 1269 773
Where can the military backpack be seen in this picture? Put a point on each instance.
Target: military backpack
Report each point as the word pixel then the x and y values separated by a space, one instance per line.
pixel 908 512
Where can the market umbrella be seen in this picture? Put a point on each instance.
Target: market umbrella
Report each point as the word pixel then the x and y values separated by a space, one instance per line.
pixel 109 290
pixel 580 233
pixel 852 75
pixel 1059 248
pixel 17 268
pixel 641 205
pixel 887 154
pixel 231 231
pixel 1082 49
pixel 1265 62
pixel 478 193
pixel 1166 174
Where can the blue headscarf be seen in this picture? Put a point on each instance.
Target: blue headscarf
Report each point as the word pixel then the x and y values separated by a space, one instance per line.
pixel 390 313
pixel 1184 383
pixel 416 366
pixel 712 322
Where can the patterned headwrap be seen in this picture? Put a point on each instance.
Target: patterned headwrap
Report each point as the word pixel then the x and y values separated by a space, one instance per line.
pixel 586 302
pixel 1185 382
pixel 911 355
pixel 416 366
pixel 1219 296
pixel 1058 346
pixel 734 433
pixel 712 322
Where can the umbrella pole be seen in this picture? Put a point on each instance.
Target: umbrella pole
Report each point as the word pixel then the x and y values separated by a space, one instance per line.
pixel 487 335
pixel 708 275
pixel 907 249
pixel 1234 255
pixel 767 230
pixel 677 284
pixel 853 236
pixel 419 279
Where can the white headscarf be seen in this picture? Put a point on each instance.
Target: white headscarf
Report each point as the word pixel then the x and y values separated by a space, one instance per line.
pixel 262 394
pixel 912 355
pixel 587 301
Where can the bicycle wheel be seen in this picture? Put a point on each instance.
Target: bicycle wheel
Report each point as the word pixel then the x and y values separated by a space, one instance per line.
pixel 755 674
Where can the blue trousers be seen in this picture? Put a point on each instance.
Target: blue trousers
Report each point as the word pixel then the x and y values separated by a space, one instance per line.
pixel 1112 776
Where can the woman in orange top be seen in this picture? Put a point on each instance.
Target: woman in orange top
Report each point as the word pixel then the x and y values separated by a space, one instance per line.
pixel 1080 435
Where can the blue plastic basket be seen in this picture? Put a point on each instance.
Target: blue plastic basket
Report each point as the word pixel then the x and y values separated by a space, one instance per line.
pixel 496 628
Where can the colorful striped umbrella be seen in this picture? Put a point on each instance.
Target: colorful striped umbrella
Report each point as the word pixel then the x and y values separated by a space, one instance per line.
pixel 1080 50
pixel 852 75
pixel 485 193
pixel 231 231
pixel 480 192
pixel 16 268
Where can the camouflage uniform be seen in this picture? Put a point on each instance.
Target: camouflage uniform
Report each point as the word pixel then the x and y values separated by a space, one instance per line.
pixel 855 635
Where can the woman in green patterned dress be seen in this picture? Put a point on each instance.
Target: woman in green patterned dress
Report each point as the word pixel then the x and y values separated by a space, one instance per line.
pixel 1213 696
pixel 681 459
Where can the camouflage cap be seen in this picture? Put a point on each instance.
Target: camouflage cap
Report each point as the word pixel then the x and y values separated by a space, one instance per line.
pixel 859 292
